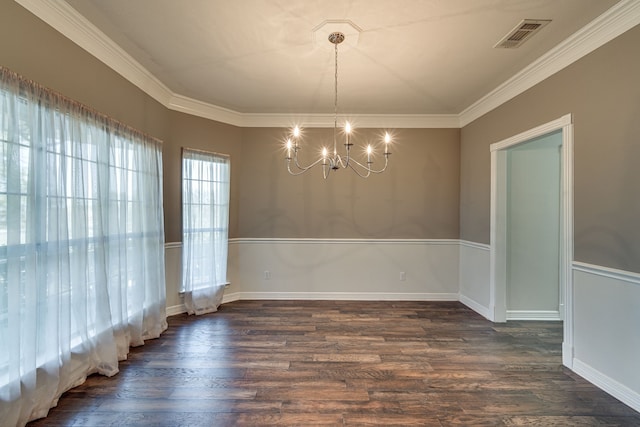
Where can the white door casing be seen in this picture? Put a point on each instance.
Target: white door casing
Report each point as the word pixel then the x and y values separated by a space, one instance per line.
pixel 498 242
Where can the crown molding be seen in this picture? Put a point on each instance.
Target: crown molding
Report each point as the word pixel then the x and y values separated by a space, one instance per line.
pixel 220 114
pixel 615 21
pixel 357 120
pixel 66 20
pixel 194 107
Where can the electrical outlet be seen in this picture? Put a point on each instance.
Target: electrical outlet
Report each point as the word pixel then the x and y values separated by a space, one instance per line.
pixel 267 275
pixel 403 276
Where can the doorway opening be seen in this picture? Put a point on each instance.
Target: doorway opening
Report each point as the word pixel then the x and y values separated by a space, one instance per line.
pixel 532 227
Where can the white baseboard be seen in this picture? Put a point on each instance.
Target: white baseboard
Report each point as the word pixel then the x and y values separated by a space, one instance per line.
pixel 476 306
pixel 346 296
pixel 611 386
pixel 567 355
pixel 533 315
pixel 176 309
pixel 181 308
pixel 337 296
pixel 230 297
pixel 379 296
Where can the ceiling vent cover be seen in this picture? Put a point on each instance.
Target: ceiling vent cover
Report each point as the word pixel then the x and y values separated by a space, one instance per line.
pixel 521 33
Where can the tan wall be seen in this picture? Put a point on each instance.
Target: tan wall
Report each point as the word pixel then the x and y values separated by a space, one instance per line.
pixel 417 197
pixel 602 91
pixel 33 49
pixel 202 134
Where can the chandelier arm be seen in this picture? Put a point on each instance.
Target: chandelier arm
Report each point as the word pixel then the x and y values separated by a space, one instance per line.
pixel 338 161
pixel 357 172
pixel 301 168
pixel 386 162
pixel 295 173
pixel 295 161
pixel 325 170
pixel 304 168
pixel 360 164
pixel 368 168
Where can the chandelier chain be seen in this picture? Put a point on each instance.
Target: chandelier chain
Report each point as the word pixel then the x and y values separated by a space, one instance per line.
pixel 335 99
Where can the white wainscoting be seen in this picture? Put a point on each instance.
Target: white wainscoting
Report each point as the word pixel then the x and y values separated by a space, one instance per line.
pixel 357 269
pixel 475 286
pixel 474 277
pixel 339 269
pixel 173 272
pixel 606 325
pixel 345 269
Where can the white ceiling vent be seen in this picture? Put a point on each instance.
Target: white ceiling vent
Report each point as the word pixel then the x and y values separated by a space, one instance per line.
pixel 521 33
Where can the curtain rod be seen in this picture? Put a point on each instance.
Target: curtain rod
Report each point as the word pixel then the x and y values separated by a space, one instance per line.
pixel 28 84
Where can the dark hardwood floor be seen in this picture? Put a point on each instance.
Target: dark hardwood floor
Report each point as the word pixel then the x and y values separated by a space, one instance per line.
pixel 263 363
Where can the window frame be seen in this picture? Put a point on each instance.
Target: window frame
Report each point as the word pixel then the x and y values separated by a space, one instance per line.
pixel 226 160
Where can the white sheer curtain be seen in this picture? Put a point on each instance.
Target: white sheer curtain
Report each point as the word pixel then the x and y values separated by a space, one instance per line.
pixel 205 221
pixel 81 245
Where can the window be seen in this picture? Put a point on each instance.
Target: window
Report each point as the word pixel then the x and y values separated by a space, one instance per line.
pixel 81 245
pixel 205 228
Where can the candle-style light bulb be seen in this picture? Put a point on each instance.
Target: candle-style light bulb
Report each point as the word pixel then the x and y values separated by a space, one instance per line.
pixel 369 151
pixel 324 155
pixel 289 144
pixel 387 140
pixel 347 131
pixel 296 131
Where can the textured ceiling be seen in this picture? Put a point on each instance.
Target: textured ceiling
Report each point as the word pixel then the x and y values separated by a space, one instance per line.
pixel 259 56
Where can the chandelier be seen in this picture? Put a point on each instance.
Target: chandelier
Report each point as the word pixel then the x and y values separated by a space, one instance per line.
pixel 332 160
